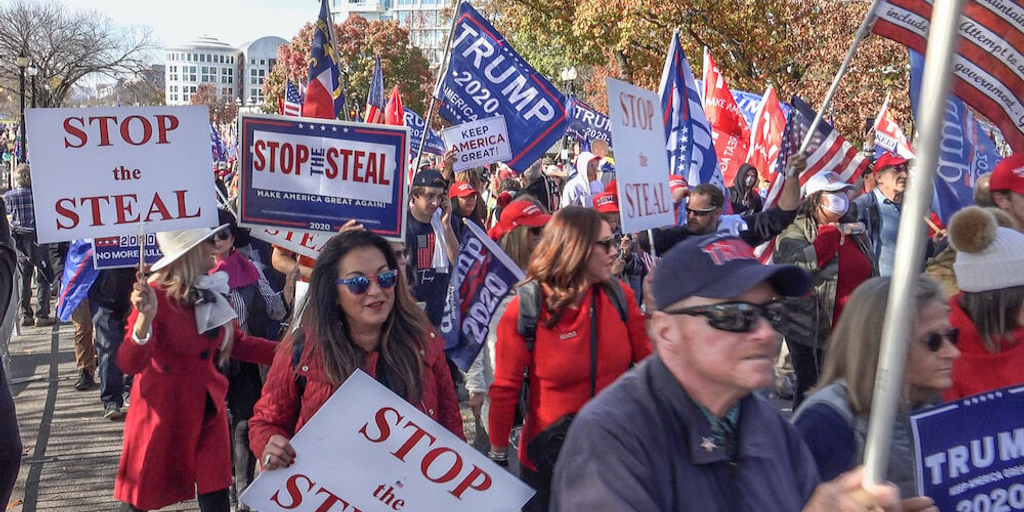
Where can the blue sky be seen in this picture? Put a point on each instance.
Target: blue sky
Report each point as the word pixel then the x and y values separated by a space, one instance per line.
pixel 231 21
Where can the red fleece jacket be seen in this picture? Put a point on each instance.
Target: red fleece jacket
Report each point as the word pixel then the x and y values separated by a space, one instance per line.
pixel 979 370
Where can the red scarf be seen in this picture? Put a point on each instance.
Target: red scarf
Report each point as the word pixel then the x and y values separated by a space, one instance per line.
pixel 241 272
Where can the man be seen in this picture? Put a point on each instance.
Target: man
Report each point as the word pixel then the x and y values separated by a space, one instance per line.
pixel 109 303
pixel 537 185
pixel 684 430
pixel 432 244
pixel 982 193
pixel 880 209
pixel 583 182
pixel 605 166
pixel 704 213
pixel 1007 186
pixel 33 259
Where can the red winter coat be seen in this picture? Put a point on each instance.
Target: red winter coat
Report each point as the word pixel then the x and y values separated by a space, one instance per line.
pixel 560 363
pixel 978 370
pixel 176 431
pixel 282 411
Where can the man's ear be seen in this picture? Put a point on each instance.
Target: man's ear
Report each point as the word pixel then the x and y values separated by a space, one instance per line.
pixel 665 331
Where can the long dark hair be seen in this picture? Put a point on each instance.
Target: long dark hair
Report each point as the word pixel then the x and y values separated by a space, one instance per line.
pixel 323 323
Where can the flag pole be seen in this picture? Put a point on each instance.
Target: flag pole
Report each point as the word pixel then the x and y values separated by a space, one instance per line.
pixel 862 32
pixel 337 57
pixel 888 394
pixel 437 85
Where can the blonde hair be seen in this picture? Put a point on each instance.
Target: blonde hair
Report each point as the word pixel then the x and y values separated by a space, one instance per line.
pixel 22 176
pixel 856 340
pixel 177 279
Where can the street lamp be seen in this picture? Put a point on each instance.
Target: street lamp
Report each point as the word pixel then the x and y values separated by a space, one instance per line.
pixel 22 62
pixel 32 72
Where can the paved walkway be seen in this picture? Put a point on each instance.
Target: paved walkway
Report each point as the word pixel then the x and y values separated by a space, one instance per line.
pixel 70 451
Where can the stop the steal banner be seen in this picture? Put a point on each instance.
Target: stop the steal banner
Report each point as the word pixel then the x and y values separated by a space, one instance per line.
pixel 368 450
pixel 315 174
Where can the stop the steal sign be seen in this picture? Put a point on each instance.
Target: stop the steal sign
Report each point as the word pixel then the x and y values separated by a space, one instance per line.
pixel 368 450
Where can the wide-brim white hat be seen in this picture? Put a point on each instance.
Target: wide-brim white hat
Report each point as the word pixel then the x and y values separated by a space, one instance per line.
pixel 173 244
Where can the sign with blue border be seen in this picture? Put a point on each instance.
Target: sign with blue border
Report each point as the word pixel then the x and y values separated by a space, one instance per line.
pixel 970 452
pixel 123 251
pixel 316 174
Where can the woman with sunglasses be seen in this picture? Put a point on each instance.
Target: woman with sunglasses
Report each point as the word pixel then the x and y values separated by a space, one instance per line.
pixel 360 316
pixel 572 266
pixel 826 240
pixel 176 441
pixel 834 419
pixel 989 311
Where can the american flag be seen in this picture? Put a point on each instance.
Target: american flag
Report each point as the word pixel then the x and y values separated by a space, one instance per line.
pixel 375 101
pixel 828 151
pixel 292 100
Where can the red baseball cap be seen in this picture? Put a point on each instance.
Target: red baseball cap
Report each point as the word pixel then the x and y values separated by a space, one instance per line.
pixel 888 160
pixel 460 189
pixel 606 202
pixel 518 213
pixel 676 182
pixel 1008 175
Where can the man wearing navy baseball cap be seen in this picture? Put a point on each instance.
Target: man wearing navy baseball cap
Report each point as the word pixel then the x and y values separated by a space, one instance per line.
pixel 684 430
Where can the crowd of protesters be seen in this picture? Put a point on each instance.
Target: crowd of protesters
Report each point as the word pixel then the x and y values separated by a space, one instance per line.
pixel 633 382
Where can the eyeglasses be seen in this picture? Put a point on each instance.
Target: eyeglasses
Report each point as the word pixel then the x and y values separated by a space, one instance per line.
pixel 736 316
pixel 699 213
pixel 607 243
pixel 222 234
pixel 934 339
pixel 360 284
pixel 537 231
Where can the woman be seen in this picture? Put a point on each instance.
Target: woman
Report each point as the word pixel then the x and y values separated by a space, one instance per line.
pixel 250 296
pixel 518 233
pixel 834 419
pixel 181 329
pixel 989 271
pixel 464 206
pixel 743 193
pixel 360 316
pixel 824 240
pixel 572 266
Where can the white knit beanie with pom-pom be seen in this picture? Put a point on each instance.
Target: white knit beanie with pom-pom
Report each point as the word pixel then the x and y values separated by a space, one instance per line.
pixel 988 257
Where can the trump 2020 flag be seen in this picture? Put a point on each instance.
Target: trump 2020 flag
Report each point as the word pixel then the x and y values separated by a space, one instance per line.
pixel 434 145
pixel 966 152
pixel 691 153
pixel 485 77
pixel 587 124
pixel 375 100
pixel 323 89
pixel 482 277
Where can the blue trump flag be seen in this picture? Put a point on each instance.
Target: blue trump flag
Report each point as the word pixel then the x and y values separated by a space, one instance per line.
pixel 687 132
pixel 217 145
pixel 966 152
pixel 434 145
pixel 588 124
pixel 486 77
pixel 79 274
pixel 482 278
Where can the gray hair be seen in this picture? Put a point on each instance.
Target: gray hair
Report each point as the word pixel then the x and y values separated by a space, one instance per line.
pixel 22 176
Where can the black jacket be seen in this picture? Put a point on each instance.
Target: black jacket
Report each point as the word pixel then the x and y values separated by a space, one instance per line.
pixel 761 227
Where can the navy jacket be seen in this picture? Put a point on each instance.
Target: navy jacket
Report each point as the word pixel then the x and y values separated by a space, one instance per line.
pixel 643 445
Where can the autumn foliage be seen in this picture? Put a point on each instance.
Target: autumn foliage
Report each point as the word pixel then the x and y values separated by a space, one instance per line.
pixel 795 45
pixel 359 40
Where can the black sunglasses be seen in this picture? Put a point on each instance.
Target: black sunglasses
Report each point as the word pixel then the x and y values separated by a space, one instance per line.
pixel 699 213
pixel 607 243
pixel 223 234
pixel 934 339
pixel 537 231
pixel 360 284
pixel 736 316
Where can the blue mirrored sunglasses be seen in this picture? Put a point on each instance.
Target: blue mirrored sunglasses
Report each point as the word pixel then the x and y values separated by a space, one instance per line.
pixel 360 284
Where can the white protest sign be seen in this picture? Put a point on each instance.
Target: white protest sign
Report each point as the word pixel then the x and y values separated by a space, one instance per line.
pixel 641 164
pixel 306 243
pixel 99 172
pixel 478 143
pixel 367 449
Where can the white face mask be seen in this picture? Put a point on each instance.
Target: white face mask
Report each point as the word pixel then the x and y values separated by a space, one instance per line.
pixel 750 180
pixel 838 204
